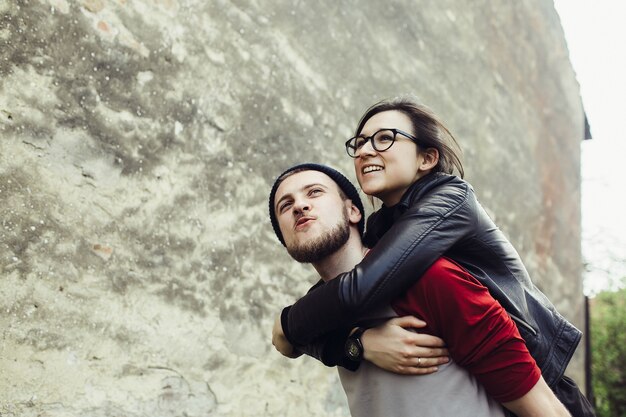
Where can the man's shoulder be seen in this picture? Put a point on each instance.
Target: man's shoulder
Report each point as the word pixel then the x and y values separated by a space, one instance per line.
pixel 444 266
pixel 445 273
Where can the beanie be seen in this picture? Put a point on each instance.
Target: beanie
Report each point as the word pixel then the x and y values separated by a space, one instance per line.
pixel 344 184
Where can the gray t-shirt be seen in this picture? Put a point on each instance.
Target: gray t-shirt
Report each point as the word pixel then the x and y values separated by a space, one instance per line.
pixel 451 391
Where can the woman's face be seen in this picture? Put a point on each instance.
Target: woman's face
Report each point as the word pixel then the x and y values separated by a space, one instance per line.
pixel 388 174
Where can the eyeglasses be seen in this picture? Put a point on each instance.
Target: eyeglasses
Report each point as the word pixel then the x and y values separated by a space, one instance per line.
pixel 381 141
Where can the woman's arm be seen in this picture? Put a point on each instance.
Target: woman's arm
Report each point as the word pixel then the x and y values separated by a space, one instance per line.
pixel 390 346
pixel 394 348
pixel 328 348
pixel 421 235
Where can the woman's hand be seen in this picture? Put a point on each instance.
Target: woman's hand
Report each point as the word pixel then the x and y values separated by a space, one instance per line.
pixel 281 343
pixel 392 347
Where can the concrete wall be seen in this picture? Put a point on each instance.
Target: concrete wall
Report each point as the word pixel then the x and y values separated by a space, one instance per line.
pixel 138 142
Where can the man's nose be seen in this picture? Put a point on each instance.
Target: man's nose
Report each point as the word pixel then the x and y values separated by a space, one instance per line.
pixel 301 205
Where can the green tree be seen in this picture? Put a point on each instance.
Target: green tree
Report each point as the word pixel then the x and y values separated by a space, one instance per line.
pixel 608 349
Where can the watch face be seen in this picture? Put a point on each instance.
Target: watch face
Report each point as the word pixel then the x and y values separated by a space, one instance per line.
pixel 353 350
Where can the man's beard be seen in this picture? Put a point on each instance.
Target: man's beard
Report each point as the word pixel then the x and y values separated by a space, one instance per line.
pixel 323 246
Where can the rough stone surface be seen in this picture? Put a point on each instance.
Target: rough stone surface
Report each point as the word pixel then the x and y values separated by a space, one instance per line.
pixel 139 140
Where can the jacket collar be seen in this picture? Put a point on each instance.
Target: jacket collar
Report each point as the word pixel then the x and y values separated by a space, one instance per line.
pixel 417 190
pixel 381 221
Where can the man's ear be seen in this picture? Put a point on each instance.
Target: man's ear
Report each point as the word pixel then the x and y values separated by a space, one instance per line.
pixel 354 214
pixel 430 158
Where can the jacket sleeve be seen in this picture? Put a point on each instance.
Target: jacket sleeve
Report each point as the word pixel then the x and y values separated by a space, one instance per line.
pixel 428 229
pixel 328 348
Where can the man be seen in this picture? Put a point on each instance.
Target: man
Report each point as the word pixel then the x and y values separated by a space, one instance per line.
pixel 317 215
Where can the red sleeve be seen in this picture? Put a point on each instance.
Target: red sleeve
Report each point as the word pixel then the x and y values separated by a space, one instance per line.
pixel 479 334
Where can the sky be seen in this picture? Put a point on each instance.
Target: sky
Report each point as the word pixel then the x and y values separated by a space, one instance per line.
pixel 595 31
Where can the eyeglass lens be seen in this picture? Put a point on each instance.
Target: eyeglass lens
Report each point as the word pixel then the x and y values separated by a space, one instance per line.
pixel 381 141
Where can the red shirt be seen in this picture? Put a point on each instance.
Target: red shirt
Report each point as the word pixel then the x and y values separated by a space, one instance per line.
pixel 478 332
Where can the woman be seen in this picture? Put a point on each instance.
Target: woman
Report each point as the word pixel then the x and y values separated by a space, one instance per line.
pixel 405 156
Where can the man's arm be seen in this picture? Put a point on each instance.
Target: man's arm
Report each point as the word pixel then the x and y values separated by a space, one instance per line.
pixel 540 401
pixel 481 337
pixel 413 243
pixel 281 343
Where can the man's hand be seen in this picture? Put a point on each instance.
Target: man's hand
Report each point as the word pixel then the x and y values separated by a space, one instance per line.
pixel 392 347
pixel 281 343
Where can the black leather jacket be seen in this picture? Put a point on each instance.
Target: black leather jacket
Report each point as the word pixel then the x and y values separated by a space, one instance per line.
pixel 439 215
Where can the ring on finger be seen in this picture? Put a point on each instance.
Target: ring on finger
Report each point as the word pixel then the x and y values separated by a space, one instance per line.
pixel 419 360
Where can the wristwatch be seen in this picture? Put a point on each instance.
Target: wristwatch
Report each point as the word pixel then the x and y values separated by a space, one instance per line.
pixel 354 347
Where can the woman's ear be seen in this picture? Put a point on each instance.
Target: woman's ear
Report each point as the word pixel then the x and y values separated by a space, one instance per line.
pixel 430 158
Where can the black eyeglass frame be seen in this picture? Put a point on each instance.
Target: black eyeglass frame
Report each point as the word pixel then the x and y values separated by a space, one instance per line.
pixel 369 138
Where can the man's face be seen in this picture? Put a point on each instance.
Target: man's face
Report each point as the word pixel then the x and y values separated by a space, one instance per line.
pixel 313 217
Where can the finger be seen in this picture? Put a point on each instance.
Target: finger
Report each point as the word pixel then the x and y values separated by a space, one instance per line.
pixel 412 370
pixel 421 339
pixel 425 362
pixel 408 321
pixel 430 352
